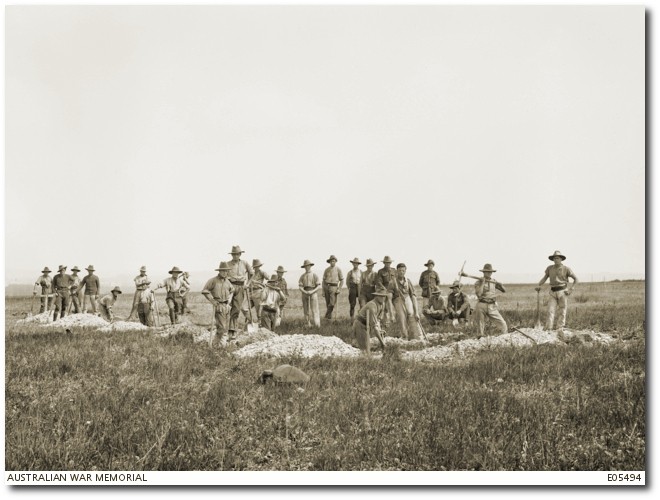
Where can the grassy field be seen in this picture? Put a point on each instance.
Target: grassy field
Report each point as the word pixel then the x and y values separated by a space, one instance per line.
pixel 134 401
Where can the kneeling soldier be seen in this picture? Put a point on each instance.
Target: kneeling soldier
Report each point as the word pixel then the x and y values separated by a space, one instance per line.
pixel 458 304
pixel 269 303
pixel 367 320
pixel 219 291
pixel 436 310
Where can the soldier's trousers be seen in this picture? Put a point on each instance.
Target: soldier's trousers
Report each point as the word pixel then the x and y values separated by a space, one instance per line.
pixel 483 311
pixel 311 308
pixel 435 316
pixel 269 319
pixel 255 301
pixel 459 315
pixel 330 293
pixel 405 318
pixel 354 297
pixel 237 306
pixel 136 300
pixel 144 314
pixel 46 303
pixel 75 303
pixel 92 300
pixel 175 305
pixel 557 303
pixel 222 312
pixel 61 304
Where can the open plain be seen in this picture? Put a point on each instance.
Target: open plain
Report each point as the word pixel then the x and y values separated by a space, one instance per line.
pixel 123 399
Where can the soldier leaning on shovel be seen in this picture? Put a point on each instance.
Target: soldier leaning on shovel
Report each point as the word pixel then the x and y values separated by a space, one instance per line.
pixel 62 289
pixel 92 287
pixel 140 284
pixel 309 284
pixel 239 274
pixel 218 291
pixel 559 289
pixel 367 320
pixel 45 283
pixel 486 290
pixel 173 285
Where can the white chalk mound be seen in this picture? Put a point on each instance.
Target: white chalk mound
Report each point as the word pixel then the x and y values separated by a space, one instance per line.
pixel 305 346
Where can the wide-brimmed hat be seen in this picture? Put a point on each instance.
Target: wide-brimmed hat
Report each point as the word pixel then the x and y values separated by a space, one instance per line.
pixel 116 289
pixel 236 249
pixel 436 290
pixel 370 262
pixel 223 266
pixel 332 257
pixel 272 282
pixel 61 268
pixel 143 268
pixel 174 270
pixel 256 263
pixel 355 261
pixel 455 284
pixel 75 268
pixel 386 259
pixel 280 269
pixel 307 263
pixel 487 267
pixel 401 264
pixel 90 268
pixel 430 263
pixel 45 270
pixel 557 254
pixel 381 290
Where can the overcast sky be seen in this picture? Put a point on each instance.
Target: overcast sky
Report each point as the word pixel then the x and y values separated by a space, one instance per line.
pixel 165 135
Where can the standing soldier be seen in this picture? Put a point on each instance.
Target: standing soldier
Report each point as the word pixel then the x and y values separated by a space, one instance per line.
pixel 239 273
pixel 385 277
pixel 282 285
pixel 368 285
pixel 218 291
pixel 62 290
pixel 367 320
pixel 333 280
pixel 92 287
pixel 257 285
pixel 458 303
pixel 140 285
pixel 107 303
pixel 145 304
pixel 436 310
pixel 173 286
pixel 44 282
pixel 309 284
pixel 354 283
pixel 405 304
pixel 559 289
pixel 485 289
pixel 269 303
pixel 75 288
pixel 185 288
pixel 428 279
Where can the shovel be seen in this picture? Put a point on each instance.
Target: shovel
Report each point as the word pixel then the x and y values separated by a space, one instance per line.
pixel 538 325
pixel 252 327
pixel 31 313
pixel 212 331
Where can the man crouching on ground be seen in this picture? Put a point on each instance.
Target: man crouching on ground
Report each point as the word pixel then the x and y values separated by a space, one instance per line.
pixel 367 320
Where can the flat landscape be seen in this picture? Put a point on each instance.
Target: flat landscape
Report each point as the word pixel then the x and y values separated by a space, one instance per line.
pixel 142 400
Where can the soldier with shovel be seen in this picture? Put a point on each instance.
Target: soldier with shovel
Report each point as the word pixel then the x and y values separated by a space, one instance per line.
pixel 218 291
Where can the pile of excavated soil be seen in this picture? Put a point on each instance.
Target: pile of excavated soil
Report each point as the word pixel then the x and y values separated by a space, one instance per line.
pixel 532 337
pixel 123 326
pixel 305 346
pixel 44 317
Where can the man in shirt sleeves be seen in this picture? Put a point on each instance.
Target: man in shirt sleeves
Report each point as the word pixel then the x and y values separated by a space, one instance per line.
pixel 560 289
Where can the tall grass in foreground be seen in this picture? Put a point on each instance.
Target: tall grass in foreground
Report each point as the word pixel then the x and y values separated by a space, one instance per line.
pixel 133 401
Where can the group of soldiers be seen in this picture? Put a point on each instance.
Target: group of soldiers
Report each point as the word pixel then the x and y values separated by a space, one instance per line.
pixel 380 297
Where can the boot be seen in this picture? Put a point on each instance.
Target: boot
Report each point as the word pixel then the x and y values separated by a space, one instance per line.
pixel 172 317
pixel 352 312
pixel 328 314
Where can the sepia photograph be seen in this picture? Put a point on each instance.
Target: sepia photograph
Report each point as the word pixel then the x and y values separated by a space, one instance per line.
pixel 402 240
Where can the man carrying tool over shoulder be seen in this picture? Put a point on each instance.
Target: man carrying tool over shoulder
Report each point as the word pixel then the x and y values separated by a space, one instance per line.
pixel 62 287
pixel 485 289
pixel 367 320
pixel 559 289
pixel 172 285
pixel 239 275
pixel 218 291
pixel 354 283
pixel 44 282
pixel 333 280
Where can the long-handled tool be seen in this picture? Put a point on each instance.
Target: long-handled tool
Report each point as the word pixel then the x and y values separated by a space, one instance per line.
pixel 514 329
pixel 31 313
pixel 538 325
pixel 212 332
pixel 454 322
